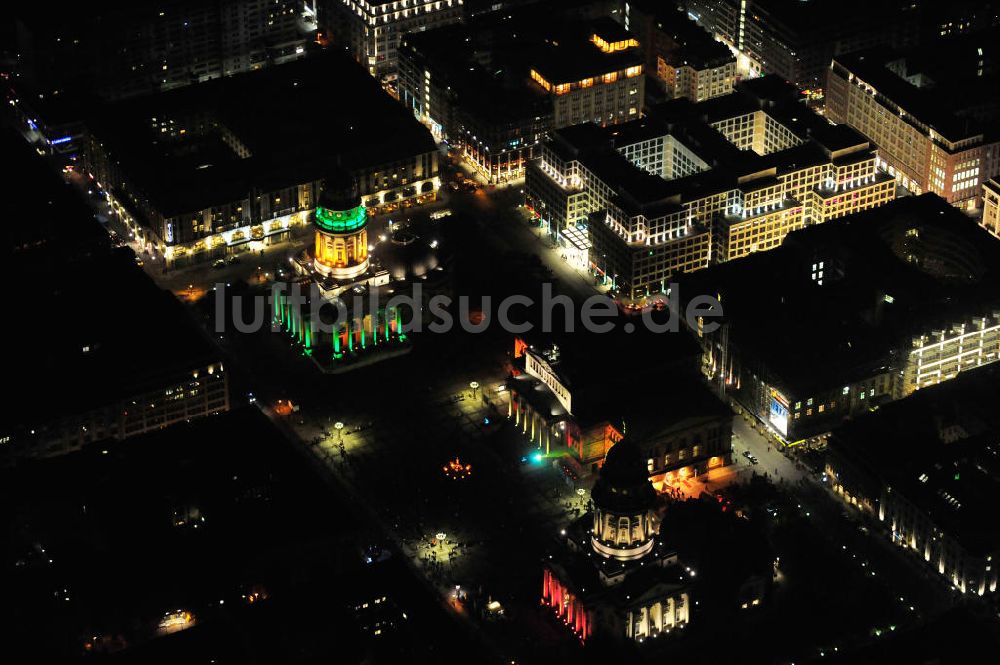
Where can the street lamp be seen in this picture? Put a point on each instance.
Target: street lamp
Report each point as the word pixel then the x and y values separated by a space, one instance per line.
pixel 475 386
pixel 339 426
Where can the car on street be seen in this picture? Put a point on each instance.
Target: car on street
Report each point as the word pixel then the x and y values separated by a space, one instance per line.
pixel 219 263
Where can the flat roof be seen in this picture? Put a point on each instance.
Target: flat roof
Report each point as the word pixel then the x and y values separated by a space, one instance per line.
pixel 939 448
pixel 811 337
pixel 696 46
pixel 951 91
pixel 294 119
pixel 688 123
pixel 92 326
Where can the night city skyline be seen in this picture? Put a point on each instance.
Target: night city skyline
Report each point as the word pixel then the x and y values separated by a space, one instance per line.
pixel 507 332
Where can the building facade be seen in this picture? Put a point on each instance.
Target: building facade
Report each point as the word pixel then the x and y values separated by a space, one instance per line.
pixel 681 56
pixel 341 247
pixel 485 110
pixel 653 206
pixel 601 81
pixel 139 49
pixel 197 178
pixel 557 404
pixel 924 471
pixel 991 206
pixel 372 31
pixel 913 275
pixel 614 576
pixel 926 139
pixel 796 40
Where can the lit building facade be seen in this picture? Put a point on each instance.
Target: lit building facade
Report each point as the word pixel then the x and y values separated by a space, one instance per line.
pixel 916 275
pixel 493 86
pixel 614 576
pixel 925 139
pixel 173 397
pixel 601 81
pixel 373 30
pixel 943 352
pixel 365 336
pixel 196 178
pixel 680 55
pixel 557 407
pixel 342 312
pixel 541 406
pixel 489 114
pixel 796 40
pixel 137 49
pixel 991 206
pixel 654 207
pixel 925 467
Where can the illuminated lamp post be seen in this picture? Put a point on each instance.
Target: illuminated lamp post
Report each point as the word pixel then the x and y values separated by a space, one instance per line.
pixel 475 386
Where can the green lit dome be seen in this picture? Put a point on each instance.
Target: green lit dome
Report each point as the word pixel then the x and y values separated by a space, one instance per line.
pixel 340 221
pixel 339 209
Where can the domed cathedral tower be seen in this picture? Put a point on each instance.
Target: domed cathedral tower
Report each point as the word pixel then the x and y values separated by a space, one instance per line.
pixel 632 587
pixel 341 229
pixel 625 524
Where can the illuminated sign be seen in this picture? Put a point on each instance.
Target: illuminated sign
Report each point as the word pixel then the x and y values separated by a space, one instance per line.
pixel 340 221
pixel 778 415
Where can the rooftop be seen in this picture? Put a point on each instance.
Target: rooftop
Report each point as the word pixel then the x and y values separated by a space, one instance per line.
pixel 893 271
pixel 940 448
pixel 597 369
pixel 951 92
pixel 696 46
pixel 688 123
pixel 180 147
pixel 95 327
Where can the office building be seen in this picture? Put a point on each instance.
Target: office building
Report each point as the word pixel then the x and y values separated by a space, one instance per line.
pixel 197 177
pixel 848 315
pixel 101 352
pixel 124 49
pixel 796 40
pixel 595 75
pixel 485 109
pixel 372 31
pixel 681 56
pixel 495 85
pixel 929 112
pixel 693 184
pixel 926 468
pixel 991 206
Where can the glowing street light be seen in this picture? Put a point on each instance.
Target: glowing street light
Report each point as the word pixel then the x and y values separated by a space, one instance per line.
pixel 475 386
pixel 339 426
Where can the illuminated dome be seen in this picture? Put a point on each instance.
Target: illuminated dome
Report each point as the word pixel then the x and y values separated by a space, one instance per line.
pixel 341 229
pixel 624 522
